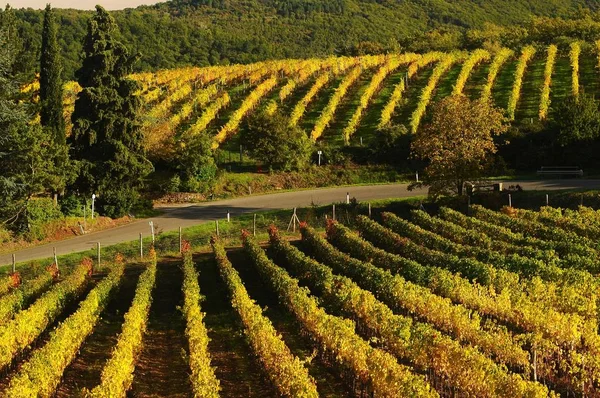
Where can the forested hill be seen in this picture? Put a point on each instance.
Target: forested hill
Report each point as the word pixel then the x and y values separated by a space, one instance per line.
pixel 203 32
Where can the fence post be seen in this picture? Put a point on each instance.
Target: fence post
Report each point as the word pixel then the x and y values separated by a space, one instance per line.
pixel 98 243
pixel 55 258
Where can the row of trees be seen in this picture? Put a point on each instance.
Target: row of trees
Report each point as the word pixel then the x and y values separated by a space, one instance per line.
pixel 103 155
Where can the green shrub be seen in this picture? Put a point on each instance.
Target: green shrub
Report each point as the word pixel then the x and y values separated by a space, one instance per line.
pixel 40 212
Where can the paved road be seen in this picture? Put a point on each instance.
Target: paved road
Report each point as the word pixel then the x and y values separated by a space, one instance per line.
pixel 176 216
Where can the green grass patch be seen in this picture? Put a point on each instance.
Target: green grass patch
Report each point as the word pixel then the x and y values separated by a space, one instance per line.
pixel 531 90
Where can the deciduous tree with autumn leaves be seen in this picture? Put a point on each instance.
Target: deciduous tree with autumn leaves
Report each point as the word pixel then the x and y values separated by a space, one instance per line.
pixel 458 143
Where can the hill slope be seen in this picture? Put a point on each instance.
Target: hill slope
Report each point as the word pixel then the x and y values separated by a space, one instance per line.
pixel 209 32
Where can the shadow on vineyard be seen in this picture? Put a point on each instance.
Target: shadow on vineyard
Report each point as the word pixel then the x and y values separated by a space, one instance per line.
pixel 162 368
pixel 238 374
pixel 329 384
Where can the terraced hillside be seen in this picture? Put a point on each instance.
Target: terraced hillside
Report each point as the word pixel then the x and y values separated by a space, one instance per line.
pixel 344 100
pixel 497 304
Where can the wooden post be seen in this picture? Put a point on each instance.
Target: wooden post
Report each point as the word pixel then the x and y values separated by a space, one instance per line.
pixel 98 247
pixel 14 264
pixel 254 225
pixel 333 213
pixel 180 241
pixel 294 219
pixel 55 258
pixel 217 227
pixel 141 247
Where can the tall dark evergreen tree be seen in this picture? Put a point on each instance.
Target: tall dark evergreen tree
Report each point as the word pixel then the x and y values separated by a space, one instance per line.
pixel 51 93
pixel 107 136
pixel 51 100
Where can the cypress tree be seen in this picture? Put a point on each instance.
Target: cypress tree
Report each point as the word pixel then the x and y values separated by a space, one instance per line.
pixel 107 136
pixel 51 93
pixel 51 109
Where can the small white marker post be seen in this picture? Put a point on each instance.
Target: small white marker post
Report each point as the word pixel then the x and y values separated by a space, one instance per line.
pixel 347 198
pixel 254 225
pixel 93 200
pixel 333 213
pixel 141 247
pixel 14 264
pixel 319 153
pixel 509 200
pixel 151 223
pixel 369 210
pixel 547 200
pixel 228 216
pixel 55 258
pixel 417 175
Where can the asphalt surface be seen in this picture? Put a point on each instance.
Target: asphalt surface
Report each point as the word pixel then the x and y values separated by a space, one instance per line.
pixel 176 216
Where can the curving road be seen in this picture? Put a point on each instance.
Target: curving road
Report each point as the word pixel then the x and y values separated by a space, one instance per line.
pixel 176 216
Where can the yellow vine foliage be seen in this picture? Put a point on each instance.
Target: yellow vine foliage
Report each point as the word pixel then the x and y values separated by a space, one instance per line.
pixel 526 55
pixel 473 60
pixel 247 106
pixel 334 66
pixel 413 68
pixel 43 372
pixel 549 68
pixel 340 92
pixel 204 381
pixel 391 65
pixel 209 114
pixel 501 57
pixel 117 374
pixel 575 51
pixel 285 370
pixel 427 93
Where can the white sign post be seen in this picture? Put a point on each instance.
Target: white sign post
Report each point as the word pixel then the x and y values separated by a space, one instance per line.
pixel 151 223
